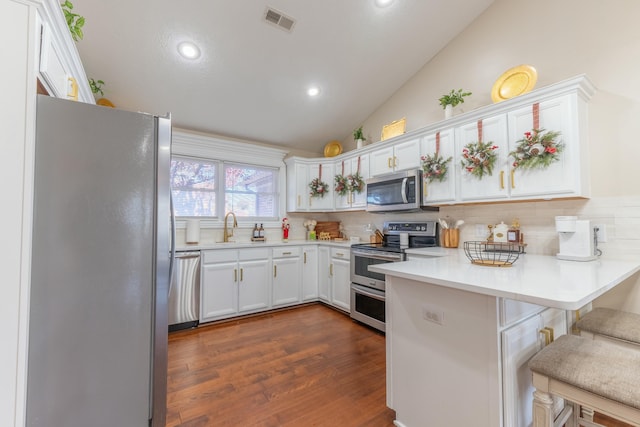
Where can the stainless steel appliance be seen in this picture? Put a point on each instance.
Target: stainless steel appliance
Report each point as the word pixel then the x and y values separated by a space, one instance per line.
pixel 399 192
pixel 101 264
pixel 184 293
pixel 367 288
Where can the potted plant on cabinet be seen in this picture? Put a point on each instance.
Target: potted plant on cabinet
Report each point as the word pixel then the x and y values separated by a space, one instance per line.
pixel 96 87
pixel 451 100
pixel 358 136
pixel 75 22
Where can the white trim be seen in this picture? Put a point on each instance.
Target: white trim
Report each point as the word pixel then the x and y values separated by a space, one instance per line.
pixel 186 143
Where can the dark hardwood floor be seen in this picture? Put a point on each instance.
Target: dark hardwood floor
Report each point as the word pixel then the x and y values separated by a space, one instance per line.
pixel 308 366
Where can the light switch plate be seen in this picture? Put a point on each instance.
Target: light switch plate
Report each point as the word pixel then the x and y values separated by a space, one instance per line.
pixel 601 233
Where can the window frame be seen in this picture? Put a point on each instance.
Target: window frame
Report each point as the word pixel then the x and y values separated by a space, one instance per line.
pixel 187 144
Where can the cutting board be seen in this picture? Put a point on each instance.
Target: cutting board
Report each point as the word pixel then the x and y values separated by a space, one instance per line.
pixel 331 227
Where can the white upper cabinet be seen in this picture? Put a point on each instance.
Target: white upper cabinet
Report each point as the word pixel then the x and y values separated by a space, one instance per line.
pixel 60 70
pixel 561 107
pixel 482 183
pixel 352 199
pixel 401 156
pixel 441 143
pixel 323 171
pixel 563 177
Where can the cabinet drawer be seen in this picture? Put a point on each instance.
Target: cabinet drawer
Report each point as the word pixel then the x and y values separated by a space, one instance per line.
pixel 253 253
pixel 340 253
pixel 511 311
pixel 219 256
pixel 286 252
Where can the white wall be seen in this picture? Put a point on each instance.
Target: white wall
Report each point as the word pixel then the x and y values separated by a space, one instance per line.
pixel 561 39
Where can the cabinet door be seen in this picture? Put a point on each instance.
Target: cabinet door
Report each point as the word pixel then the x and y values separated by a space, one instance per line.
pixel 489 187
pixel 253 285
pixel 322 203
pixel 361 164
pixel 381 161
pixel 352 200
pixel 310 273
pixel 519 344
pixel 342 167
pixel 324 276
pixel 218 291
pixel 52 68
pixel 300 187
pixel 560 178
pixel 443 144
pixel 407 155
pixel 286 281
pixel 340 283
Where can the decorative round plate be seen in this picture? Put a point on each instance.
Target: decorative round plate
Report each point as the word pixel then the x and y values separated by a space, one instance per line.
pixel 332 149
pixel 513 82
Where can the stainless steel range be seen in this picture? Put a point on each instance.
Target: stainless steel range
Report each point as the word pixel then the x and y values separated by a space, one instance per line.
pixel 367 287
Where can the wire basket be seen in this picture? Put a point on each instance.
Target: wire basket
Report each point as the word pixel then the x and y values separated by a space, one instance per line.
pixel 493 254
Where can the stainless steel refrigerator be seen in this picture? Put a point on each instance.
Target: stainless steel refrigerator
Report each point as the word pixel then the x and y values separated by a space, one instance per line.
pixel 101 263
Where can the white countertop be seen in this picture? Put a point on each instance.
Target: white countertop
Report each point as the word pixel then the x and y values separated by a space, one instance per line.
pixel 274 243
pixel 543 280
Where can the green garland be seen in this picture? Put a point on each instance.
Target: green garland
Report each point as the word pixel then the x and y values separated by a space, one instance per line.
pixel 435 167
pixel 478 158
pixel 350 183
pixel 355 183
pixel 342 186
pixel 318 188
pixel 537 150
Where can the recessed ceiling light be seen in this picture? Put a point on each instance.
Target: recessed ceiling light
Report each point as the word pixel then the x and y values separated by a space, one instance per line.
pixel 313 91
pixel 188 50
pixel 383 3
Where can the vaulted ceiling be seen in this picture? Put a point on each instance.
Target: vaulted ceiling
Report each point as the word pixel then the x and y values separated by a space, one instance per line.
pixel 251 78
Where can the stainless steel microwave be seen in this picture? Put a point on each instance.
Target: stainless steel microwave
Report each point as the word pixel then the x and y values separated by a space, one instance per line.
pixel 397 192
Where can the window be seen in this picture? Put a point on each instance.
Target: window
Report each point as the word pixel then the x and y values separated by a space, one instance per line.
pixel 193 185
pixel 199 188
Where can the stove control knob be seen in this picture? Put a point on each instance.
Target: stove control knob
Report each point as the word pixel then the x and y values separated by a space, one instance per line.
pixel 423 228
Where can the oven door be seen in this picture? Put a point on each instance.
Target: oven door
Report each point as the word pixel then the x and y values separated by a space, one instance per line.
pixel 361 259
pixel 367 306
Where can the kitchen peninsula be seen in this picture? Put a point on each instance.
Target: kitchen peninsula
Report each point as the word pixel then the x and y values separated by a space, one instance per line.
pixel 459 335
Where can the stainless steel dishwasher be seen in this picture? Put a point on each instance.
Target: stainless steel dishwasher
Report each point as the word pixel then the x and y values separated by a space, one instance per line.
pixel 184 294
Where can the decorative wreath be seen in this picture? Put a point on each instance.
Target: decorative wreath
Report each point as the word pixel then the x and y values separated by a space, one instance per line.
pixel 537 150
pixel 318 188
pixel 356 183
pixel 342 185
pixel 478 158
pixel 434 167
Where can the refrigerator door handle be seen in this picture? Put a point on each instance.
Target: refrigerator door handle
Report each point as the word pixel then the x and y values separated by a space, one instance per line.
pixel 172 256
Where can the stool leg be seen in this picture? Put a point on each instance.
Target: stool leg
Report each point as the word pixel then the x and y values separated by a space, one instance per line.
pixel 587 413
pixel 542 409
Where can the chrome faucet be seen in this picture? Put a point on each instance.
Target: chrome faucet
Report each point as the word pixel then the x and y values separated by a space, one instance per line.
pixel 228 233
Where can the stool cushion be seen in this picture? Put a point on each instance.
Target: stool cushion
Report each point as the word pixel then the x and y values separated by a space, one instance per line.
pixel 598 367
pixel 613 323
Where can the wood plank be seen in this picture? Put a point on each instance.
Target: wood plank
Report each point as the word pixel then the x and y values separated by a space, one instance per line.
pixel 308 366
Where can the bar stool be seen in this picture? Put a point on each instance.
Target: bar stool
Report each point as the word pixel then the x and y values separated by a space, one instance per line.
pixel 596 374
pixel 618 327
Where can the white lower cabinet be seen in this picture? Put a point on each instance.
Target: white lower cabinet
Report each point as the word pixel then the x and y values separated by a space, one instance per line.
pixel 519 343
pixel 324 273
pixel 287 274
pixel 309 273
pixel 340 278
pixel 233 282
pixel 249 280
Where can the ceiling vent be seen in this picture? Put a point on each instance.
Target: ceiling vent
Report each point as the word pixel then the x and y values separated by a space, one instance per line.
pixel 279 19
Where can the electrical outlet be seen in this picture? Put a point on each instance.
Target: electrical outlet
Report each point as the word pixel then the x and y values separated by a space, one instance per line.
pixel 432 314
pixel 601 233
pixel 481 231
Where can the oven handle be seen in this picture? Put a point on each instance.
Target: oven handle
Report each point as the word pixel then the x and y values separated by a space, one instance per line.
pixel 404 190
pixel 392 258
pixel 370 293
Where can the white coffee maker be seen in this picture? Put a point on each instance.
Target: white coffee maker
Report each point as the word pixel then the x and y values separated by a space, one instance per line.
pixel 577 240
